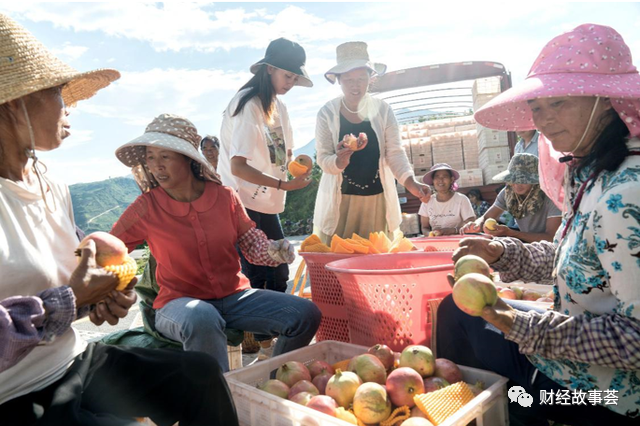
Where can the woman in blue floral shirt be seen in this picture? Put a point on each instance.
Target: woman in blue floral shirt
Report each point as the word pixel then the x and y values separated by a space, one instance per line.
pixel 580 361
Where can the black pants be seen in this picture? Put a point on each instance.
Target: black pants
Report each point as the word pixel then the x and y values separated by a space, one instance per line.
pixel 109 385
pixel 471 341
pixel 266 277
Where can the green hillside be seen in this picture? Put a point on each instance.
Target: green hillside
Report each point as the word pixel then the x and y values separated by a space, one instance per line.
pixel 97 205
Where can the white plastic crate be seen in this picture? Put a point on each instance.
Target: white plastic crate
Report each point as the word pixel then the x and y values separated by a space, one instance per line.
pixel 258 408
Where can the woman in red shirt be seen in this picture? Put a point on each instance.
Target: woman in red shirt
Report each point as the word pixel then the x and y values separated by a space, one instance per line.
pixel 192 225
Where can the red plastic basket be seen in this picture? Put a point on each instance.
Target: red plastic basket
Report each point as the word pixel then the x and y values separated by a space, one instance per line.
pixel 326 293
pixel 445 243
pixel 389 297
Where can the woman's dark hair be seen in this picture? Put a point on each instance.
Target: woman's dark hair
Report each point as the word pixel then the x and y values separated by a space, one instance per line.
pixel 610 148
pixel 210 138
pixel 260 86
pixel 476 193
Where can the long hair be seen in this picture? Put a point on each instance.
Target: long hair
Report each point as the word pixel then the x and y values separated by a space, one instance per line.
pixel 610 147
pixel 260 86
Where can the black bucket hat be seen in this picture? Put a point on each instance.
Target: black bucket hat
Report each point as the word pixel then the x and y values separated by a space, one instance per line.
pixel 286 55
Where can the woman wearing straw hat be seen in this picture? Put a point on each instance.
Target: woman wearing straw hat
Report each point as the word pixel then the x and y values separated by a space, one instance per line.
pixel 449 210
pixel 583 94
pixel 193 225
pixel 536 215
pixel 357 191
pixel 48 374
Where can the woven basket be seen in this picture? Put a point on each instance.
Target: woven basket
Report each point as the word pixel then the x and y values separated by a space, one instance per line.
pixel 249 344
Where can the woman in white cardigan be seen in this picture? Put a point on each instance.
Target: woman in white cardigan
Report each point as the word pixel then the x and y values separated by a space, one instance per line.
pixel 357 192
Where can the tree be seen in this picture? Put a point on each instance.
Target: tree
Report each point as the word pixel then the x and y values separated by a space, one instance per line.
pixel 300 205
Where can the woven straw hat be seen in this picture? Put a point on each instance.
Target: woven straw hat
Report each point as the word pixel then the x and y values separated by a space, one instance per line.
pixel 165 131
pixel 26 66
pixel 350 56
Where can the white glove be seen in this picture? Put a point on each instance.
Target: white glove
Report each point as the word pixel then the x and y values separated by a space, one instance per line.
pixel 281 251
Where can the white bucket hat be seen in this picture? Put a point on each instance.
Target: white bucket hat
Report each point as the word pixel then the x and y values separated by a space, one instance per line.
pixel 170 132
pixel 350 56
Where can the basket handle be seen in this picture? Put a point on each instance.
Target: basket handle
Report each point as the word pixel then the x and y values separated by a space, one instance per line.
pixel 300 273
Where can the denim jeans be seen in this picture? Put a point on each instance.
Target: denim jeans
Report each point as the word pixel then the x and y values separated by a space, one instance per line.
pixel 199 324
pixel 266 277
pixel 473 342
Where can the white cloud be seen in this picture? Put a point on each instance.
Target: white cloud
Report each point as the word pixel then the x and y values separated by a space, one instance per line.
pixel 69 52
pixel 77 138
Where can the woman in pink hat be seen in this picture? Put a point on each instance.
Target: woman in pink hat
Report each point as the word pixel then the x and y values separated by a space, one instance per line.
pixel 448 211
pixel 579 361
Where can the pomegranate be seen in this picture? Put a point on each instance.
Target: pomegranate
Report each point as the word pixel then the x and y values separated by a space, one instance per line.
pixel 300 165
pixel 531 295
pixel 318 366
pixel 434 383
pixel 275 387
pixel 110 250
pixel 301 398
pixel 371 404
pixel 507 293
pixel 342 387
pixel 369 368
pixel 403 384
pixel 471 263
pixel 420 358
pixel 518 291
pixel 303 386
pixel 473 292
pixel 324 404
pixel 491 224
pixel 416 421
pixel 346 416
pixel 384 354
pixel 417 412
pixel 448 370
pixel 292 372
pixel 321 380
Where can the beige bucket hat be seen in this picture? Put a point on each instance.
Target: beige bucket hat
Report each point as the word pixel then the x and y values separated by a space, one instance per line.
pixel 170 132
pixel 350 56
pixel 26 66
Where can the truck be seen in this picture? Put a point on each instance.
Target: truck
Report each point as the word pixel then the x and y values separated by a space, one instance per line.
pixel 434 106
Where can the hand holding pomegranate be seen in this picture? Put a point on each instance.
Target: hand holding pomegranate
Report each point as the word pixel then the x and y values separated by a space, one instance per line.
pixel 89 283
pixel 471 227
pixel 114 306
pixel 487 249
pixel 498 231
pixel 500 315
pixel 344 154
pixel 299 182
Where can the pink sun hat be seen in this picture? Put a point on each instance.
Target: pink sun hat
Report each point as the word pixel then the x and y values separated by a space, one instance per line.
pixel 590 60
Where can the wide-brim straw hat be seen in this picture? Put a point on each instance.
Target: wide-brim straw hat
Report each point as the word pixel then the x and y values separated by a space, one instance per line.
pixel 350 56
pixel 26 67
pixel 167 131
pixel 428 178
pixel 523 169
pixel 591 60
pixel 286 55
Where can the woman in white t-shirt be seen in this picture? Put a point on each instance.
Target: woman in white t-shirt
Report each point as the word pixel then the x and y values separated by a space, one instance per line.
pixel 449 210
pixel 256 144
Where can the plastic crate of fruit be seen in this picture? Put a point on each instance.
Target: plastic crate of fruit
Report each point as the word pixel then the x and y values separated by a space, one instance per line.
pixel 259 408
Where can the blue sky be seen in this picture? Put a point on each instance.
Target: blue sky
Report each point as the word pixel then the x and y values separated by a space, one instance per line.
pixel 190 58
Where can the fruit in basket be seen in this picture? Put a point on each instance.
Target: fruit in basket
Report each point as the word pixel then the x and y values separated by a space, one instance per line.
pixel 477 388
pixel 507 293
pixel 384 353
pixel 342 365
pixel 321 380
pixel 302 398
pixel 403 384
pixel 342 387
pixel 434 383
pixel 448 370
pixel 369 368
pixel 491 224
pixel 531 295
pixel 420 358
pixel 301 165
pixel 355 143
pixel 473 292
pixel 416 421
pixel 471 263
pixel 292 372
pixel 518 290
pixel 416 412
pixel 318 367
pixel 346 416
pixel 275 387
pixel 324 404
pixel 371 403
pixel 303 386
pixel 545 299
pixel 112 255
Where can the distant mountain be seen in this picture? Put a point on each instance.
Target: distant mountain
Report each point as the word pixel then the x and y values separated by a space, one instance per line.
pixel 97 205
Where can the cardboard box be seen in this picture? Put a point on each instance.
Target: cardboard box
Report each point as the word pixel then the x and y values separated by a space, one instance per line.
pixel 489 172
pixel 492 156
pixel 470 177
pixel 489 138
